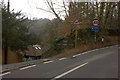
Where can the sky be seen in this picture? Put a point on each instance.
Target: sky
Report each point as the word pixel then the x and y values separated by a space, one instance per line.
pixel 29 9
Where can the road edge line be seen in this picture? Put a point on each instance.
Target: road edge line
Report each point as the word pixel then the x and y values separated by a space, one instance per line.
pixel 27 67
pixel 5 73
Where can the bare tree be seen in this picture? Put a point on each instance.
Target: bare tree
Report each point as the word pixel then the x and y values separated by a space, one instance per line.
pixel 65 9
pixel 57 11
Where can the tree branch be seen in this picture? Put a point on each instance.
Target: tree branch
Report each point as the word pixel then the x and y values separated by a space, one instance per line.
pixel 44 10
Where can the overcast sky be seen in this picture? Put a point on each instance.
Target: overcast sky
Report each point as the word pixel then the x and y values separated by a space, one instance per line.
pixel 28 7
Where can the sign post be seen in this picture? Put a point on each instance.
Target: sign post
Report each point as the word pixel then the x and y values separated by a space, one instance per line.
pixel 95 28
pixel 95 37
pixel 76 22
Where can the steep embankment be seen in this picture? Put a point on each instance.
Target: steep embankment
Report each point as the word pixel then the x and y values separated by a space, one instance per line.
pixel 109 40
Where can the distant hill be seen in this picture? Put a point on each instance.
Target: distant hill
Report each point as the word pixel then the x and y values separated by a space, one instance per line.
pixel 37 26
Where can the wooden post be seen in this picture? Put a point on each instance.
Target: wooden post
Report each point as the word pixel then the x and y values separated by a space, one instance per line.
pixel 76 37
pixel 6 39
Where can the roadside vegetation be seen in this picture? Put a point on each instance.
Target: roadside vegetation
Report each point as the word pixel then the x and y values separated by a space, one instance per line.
pixel 112 40
pixel 15 34
pixel 18 31
pixel 85 12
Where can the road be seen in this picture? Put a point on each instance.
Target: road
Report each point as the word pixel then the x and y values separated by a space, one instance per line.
pixel 98 63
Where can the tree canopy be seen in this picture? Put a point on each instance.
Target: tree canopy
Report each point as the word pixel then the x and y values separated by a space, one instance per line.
pixel 15 30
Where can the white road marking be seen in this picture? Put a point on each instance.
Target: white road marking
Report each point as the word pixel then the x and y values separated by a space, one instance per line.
pixel 90 51
pixel 5 73
pixel 27 67
pixel 48 62
pixel 62 58
pixel 76 55
pixel 86 52
pixel 106 47
pixel 82 53
pixel 102 48
pixel 61 75
pixel 94 50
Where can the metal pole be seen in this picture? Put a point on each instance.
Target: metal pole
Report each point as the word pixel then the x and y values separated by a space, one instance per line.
pixel 95 37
